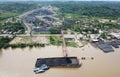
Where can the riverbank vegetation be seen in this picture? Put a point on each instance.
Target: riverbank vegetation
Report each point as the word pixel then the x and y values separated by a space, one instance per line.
pixel 54 40
pixel 23 45
pixel 71 44
pixel 4 43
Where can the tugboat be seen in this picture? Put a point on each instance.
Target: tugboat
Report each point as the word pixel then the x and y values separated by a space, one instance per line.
pixel 41 69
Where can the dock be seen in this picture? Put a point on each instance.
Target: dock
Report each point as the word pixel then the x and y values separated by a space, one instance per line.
pixel 58 62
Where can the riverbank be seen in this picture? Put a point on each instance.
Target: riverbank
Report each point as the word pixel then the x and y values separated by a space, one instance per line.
pixel 20 62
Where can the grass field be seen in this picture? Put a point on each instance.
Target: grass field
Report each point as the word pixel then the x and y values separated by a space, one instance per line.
pixel 4 16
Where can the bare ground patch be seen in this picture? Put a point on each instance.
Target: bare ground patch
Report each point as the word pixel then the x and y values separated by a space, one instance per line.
pixel 28 39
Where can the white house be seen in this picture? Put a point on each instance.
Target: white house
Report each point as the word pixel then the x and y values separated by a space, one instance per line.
pixel 115 35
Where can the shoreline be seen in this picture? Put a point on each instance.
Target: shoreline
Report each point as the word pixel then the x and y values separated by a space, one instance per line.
pixel 24 62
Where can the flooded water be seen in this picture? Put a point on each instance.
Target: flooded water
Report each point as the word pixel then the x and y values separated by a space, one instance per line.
pixel 21 62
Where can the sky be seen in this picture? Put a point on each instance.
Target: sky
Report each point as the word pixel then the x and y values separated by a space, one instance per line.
pixel 59 0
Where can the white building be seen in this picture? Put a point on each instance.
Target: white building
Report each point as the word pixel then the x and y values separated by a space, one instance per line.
pixel 115 35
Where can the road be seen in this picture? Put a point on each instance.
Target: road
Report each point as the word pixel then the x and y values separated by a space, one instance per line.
pixel 27 13
pixel 28 26
pixel 22 16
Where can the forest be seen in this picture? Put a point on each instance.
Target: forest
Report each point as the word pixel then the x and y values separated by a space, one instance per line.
pixel 12 9
pixel 90 8
pixel 86 16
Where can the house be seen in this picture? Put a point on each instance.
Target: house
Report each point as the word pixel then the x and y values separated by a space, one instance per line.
pixel 115 35
pixel 69 37
pixel 94 37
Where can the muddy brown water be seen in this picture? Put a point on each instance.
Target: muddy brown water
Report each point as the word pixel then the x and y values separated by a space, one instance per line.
pixel 20 62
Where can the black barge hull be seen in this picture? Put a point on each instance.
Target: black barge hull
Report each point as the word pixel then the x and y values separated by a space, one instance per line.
pixel 58 62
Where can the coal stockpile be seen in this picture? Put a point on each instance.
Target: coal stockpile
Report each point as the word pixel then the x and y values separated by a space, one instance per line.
pixel 106 47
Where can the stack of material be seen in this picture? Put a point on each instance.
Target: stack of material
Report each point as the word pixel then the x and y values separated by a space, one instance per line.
pixel 115 44
pixel 118 42
pixel 106 47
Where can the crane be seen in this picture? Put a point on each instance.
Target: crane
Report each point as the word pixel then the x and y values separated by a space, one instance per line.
pixel 65 54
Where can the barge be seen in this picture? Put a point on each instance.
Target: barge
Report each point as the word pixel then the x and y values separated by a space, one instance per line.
pixel 58 62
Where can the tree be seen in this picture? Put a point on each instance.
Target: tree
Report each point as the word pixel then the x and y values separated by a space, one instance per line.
pixel 104 35
pixel 55 31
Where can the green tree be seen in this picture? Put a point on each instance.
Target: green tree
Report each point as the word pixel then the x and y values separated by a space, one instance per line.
pixel 55 31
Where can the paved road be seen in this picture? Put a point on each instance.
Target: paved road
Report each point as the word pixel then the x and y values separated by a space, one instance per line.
pixel 28 26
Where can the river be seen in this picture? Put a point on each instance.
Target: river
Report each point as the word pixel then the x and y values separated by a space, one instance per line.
pixel 20 62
